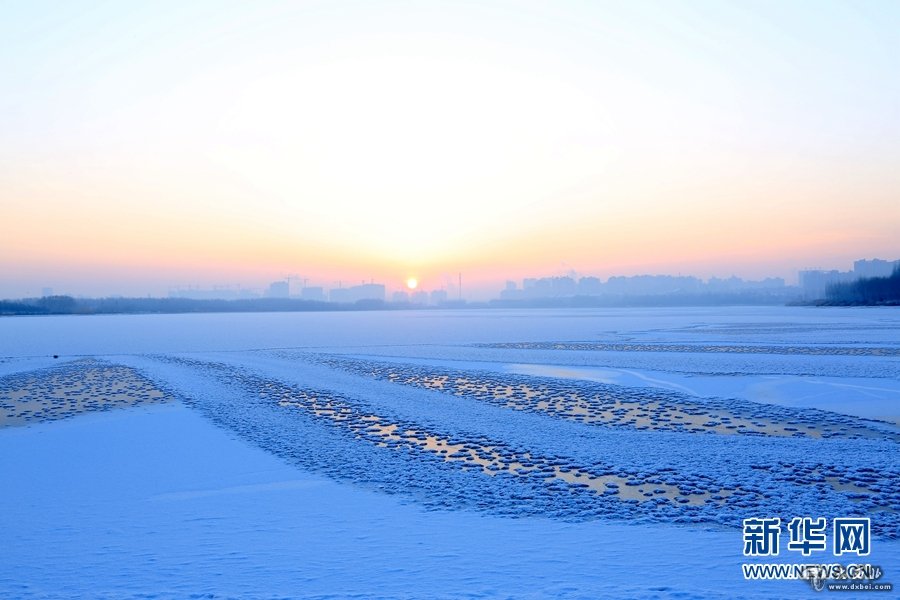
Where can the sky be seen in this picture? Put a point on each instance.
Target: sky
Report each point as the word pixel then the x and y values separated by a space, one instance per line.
pixel 149 146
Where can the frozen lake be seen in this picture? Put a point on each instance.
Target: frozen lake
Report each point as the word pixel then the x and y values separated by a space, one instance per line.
pixel 483 453
pixel 119 334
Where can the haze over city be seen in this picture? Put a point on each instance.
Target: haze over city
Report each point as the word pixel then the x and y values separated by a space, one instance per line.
pixel 157 146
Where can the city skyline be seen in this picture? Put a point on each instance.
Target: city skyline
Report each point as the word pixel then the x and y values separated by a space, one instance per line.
pixel 149 147
pixel 809 284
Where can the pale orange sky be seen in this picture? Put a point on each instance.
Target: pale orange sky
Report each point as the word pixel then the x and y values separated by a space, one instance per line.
pixel 151 147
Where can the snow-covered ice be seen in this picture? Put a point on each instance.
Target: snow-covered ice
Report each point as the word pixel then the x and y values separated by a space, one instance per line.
pixel 584 453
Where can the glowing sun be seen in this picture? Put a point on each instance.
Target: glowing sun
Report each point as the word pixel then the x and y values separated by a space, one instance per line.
pixel 412 283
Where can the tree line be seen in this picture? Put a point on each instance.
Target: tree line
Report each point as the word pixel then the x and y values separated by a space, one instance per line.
pixel 67 305
pixel 869 291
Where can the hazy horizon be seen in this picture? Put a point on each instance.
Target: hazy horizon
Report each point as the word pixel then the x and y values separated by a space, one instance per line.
pixel 150 147
pixel 448 282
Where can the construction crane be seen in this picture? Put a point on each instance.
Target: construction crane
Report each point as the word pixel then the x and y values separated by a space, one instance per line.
pixel 294 277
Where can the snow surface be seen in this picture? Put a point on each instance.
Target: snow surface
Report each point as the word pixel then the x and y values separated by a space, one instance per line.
pixel 123 334
pixel 182 507
pixel 274 473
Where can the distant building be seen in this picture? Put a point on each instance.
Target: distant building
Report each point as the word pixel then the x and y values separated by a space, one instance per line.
pixel 652 285
pixel 814 282
pixel 545 288
pixel 716 284
pixel 366 291
pixel 279 289
pixel 590 286
pixel 419 297
pixel 369 291
pixel 438 297
pixel 400 297
pixel 875 268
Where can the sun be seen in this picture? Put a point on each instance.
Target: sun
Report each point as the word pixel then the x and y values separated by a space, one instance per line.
pixel 412 283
